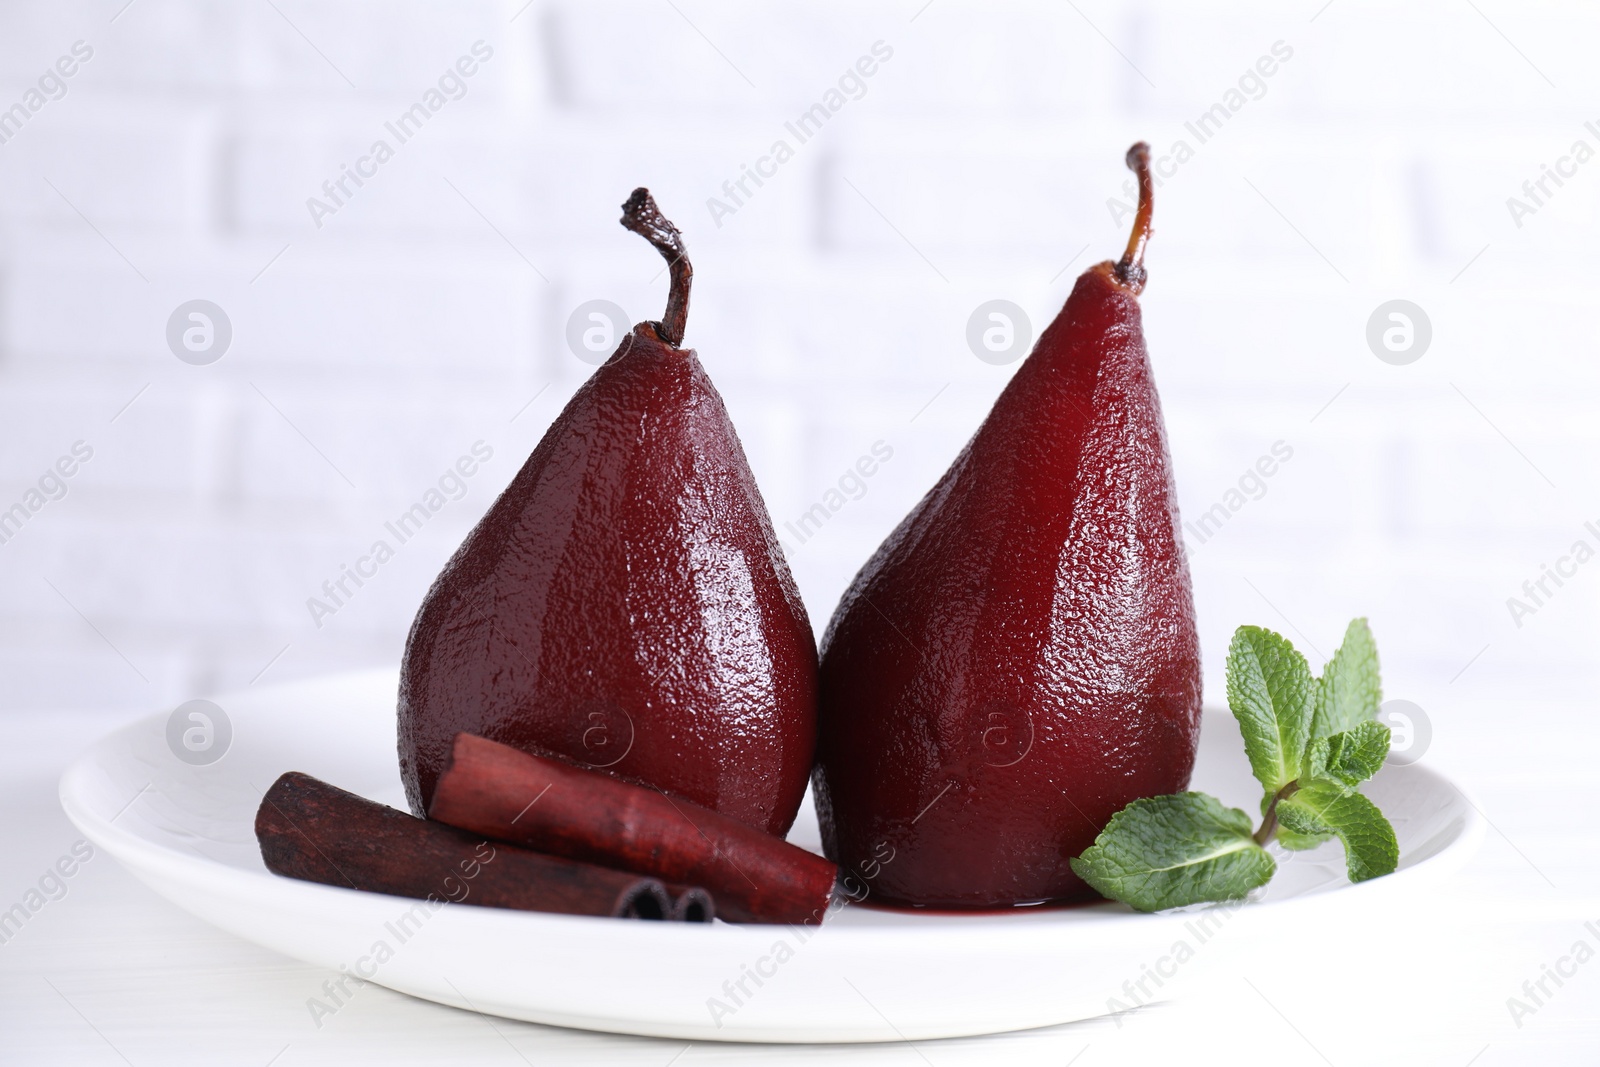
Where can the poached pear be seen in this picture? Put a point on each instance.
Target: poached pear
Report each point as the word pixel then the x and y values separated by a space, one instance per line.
pixel 1019 660
pixel 624 604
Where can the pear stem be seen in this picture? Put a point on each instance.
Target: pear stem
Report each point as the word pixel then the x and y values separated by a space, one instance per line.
pixel 1130 269
pixel 641 215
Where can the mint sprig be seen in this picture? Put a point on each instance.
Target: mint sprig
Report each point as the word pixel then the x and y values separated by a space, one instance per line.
pixel 1311 742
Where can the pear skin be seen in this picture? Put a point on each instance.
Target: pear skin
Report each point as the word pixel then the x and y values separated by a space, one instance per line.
pixel 1019 660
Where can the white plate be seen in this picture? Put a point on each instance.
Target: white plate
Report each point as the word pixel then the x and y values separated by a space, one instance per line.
pixel 866 975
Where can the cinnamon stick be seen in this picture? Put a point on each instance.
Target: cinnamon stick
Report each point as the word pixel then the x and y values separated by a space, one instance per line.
pixel 693 905
pixel 317 832
pixel 506 794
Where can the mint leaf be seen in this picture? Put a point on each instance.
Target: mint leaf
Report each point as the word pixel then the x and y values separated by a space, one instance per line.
pixel 1168 851
pixel 1349 758
pixel 1350 690
pixel 1323 807
pixel 1271 693
pixel 1299 842
pixel 1288 838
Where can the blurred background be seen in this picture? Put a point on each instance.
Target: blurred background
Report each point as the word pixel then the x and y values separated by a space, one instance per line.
pixel 1319 161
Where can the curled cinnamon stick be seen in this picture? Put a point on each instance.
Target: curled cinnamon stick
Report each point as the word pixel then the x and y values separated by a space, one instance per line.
pixel 693 905
pixel 317 832
pixel 500 792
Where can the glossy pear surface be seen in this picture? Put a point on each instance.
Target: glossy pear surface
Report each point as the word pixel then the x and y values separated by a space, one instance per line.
pixel 624 604
pixel 1019 660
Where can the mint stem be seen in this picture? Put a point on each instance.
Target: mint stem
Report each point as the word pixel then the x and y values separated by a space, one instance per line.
pixel 1269 822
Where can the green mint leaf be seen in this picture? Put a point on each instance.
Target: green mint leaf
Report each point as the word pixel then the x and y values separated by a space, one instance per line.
pixel 1322 807
pixel 1350 690
pixel 1299 842
pixel 1271 694
pixel 1288 838
pixel 1350 757
pixel 1168 851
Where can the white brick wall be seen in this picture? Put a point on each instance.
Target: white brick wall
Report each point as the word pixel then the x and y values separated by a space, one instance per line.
pixel 415 321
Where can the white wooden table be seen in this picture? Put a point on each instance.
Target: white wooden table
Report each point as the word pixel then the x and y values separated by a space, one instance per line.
pixel 110 973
